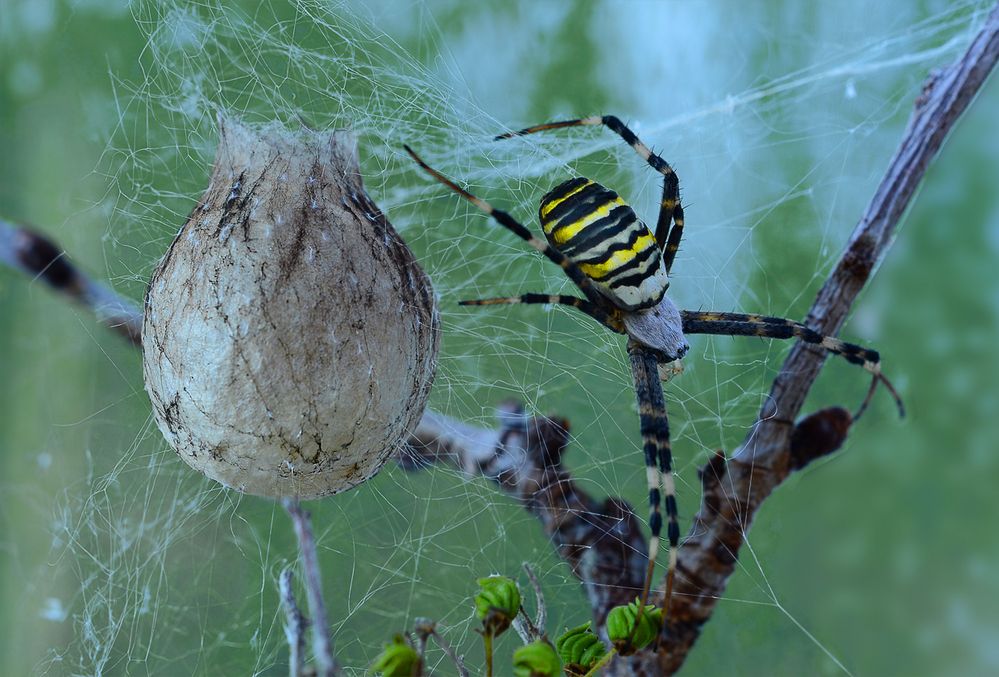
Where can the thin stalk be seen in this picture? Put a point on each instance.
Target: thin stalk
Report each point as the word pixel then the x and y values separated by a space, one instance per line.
pixel 322 646
pixel 449 650
pixel 487 641
pixel 295 625
pixel 601 663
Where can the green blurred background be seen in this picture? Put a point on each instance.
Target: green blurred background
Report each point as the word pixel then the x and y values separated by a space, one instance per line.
pixel 780 119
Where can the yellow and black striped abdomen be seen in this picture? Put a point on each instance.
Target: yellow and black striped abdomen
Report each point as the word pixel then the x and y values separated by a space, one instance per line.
pixel 601 234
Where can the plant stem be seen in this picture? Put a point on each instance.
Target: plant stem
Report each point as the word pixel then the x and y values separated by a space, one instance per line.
pixel 295 625
pixel 487 640
pixel 601 663
pixel 542 611
pixel 449 650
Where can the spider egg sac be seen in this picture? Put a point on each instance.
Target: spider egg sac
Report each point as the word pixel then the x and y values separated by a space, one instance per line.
pixel 290 338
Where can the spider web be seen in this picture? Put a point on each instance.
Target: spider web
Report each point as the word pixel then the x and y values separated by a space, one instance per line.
pixel 779 122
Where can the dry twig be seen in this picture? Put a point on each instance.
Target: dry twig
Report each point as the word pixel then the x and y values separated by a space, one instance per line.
pixel 426 628
pixel 31 252
pixel 322 646
pixel 733 492
pixel 531 630
pixel 295 626
pixel 541 618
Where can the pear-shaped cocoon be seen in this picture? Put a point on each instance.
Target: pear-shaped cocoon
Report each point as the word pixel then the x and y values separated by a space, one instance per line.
pixel 290 337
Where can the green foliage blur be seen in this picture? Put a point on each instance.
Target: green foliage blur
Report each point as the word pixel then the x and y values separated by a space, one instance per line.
pixel 780 118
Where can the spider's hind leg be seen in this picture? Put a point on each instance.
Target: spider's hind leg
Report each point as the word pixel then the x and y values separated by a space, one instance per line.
pixel 654 422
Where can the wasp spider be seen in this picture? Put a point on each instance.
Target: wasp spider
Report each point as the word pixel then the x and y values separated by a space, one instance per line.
pixel 622 269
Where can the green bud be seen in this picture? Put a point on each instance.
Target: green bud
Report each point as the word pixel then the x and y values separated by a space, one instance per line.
pixel 398 659
pixel 580 649
pixel 623 633
pixel 497 603
pixel 537 659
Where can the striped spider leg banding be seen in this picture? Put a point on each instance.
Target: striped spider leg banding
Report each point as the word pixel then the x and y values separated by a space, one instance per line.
pixel 741 324
pixel 670 208
pixel 571 269
pixel 609 320
pixel 654 423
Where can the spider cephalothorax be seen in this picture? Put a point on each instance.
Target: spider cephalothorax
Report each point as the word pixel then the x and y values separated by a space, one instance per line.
pixel 622 268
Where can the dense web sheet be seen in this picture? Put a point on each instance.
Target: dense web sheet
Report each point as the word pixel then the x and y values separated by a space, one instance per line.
pixel 778 122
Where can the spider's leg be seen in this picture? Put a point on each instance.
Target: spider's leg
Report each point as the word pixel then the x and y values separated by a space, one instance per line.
pixel 654 424
pixel 669 207
pixel 518 229
pixel 740 324
pixel 591 309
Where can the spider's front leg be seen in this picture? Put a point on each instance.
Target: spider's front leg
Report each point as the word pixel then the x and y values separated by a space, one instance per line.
pixel 669 207
pixel 570 268
pixel 741 324
pixel 610 319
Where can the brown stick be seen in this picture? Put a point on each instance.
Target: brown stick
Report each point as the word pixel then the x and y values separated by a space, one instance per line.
pixel 529 629
pixel 295 625
pixel 34 254
pixel 459 661
pixel 322 646
pixel 601 541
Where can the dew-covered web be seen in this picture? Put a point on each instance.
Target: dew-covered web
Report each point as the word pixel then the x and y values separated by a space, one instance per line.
pixel 779 123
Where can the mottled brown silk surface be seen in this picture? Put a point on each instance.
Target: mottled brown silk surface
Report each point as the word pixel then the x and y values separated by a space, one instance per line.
pixel 269 320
